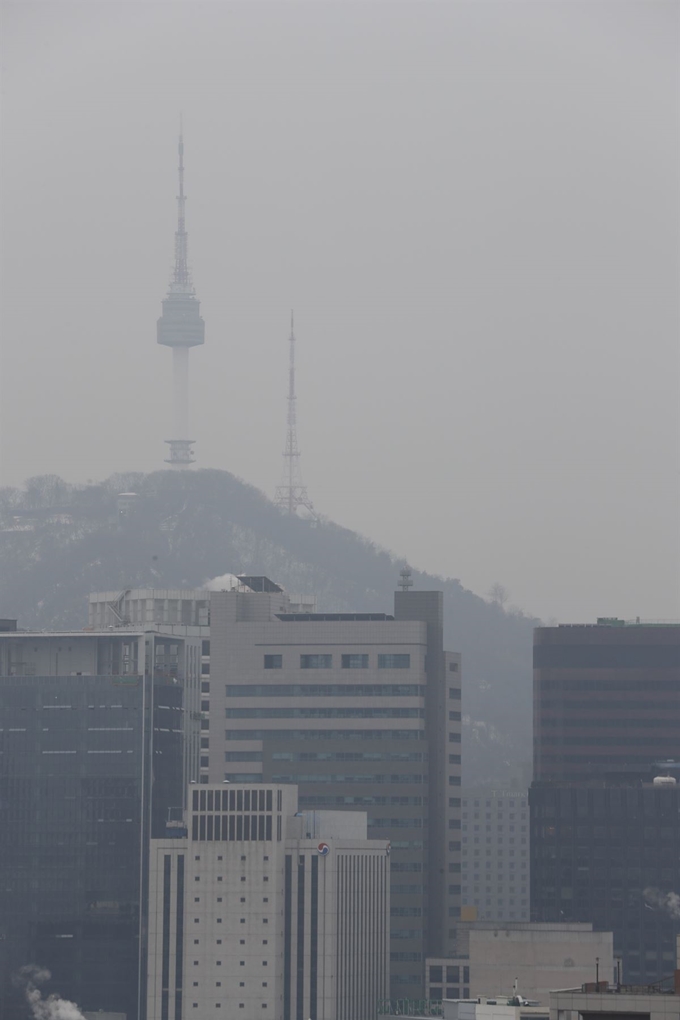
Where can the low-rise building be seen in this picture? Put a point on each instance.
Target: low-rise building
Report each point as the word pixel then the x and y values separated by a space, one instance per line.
pixel 528 958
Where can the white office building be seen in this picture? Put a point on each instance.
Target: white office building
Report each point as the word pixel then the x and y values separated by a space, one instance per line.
pixel 256 909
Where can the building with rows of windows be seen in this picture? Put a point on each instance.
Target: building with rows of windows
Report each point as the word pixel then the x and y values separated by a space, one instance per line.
pixel 495 864
pixel 360 712
pixel 258 909
pixel 605 800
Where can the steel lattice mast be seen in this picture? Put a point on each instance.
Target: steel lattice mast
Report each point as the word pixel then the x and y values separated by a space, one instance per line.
pixel 292 492
pixel 181 327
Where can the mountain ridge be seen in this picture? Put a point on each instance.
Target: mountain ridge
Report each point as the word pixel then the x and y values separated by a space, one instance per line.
pixel 60 541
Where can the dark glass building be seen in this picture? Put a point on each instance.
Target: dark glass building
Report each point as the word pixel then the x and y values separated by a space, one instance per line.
pixel 89 767
pixel 605 804
pixel 605 695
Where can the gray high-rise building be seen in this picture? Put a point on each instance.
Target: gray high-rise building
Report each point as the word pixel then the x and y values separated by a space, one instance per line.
pixel 98 738
pixel 605 800
pixel 360 711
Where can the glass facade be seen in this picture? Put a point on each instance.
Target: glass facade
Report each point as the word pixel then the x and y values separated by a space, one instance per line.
pixel 79 757
pixel 609 855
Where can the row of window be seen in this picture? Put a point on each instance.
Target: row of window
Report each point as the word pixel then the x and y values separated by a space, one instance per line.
pixel 352 735
pixel 452 974
pixel 321 801
pixel 315 777
pixel 325 713
pixel 327 756
pixel 388 660
pixel 324 690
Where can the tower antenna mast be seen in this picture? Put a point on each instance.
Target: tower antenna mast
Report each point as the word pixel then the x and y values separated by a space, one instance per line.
pixel 180 327
pixel 292 492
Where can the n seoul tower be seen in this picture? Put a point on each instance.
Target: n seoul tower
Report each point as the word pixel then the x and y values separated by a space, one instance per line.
pixel 180 327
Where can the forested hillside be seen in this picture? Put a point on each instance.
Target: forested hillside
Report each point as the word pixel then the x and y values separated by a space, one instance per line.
pixel 58 542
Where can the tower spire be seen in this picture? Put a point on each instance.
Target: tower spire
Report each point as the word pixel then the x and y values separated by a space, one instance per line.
pixel 292 492
pixel 181 279
pixel 180 327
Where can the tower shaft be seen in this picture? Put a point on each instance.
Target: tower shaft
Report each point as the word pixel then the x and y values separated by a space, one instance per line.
pixel 292 492
pixel 180 327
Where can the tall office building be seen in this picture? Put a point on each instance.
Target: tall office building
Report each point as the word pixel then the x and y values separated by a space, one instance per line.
pixel 257 909
pixel 92 760
pixel 360 711
pixel 605 804
pixel 495 864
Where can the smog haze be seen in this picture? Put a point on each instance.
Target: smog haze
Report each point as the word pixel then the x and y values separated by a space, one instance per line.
pixel 473 210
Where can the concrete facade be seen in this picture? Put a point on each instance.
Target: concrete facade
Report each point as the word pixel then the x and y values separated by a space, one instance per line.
pixel 495 865
pixel 359 711
pixel 575 1004
pixel 279 914
pixel 539 957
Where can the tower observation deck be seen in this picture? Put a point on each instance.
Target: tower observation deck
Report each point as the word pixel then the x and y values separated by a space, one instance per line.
pixel 180 327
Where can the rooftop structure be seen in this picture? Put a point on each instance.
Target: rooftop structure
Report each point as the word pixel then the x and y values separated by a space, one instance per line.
pixel 181 327
pixel 617 1002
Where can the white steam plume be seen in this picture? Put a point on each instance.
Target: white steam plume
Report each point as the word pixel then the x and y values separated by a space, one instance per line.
pixel 225 582
pixel 668 902
pixel 51 1008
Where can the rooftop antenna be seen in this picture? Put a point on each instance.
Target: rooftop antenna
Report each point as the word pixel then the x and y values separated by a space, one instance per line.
pixel 292 492
pixel 180 327
pixel 405 580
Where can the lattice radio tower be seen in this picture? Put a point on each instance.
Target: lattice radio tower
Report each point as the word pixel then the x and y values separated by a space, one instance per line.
pixel 292 492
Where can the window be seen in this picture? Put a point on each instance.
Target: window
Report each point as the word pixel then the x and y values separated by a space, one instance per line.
pixel 391 660
pixel 273 662
pixel 453 667
pixel 316 662
pixel 436 975
pixel 353 661
pixel 242 942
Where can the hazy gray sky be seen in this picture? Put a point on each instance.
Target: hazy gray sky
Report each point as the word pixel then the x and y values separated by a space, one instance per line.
pixel 473 208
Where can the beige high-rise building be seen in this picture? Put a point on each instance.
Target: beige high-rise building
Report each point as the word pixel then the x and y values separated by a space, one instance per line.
pixel 256 909
pixel 360 711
